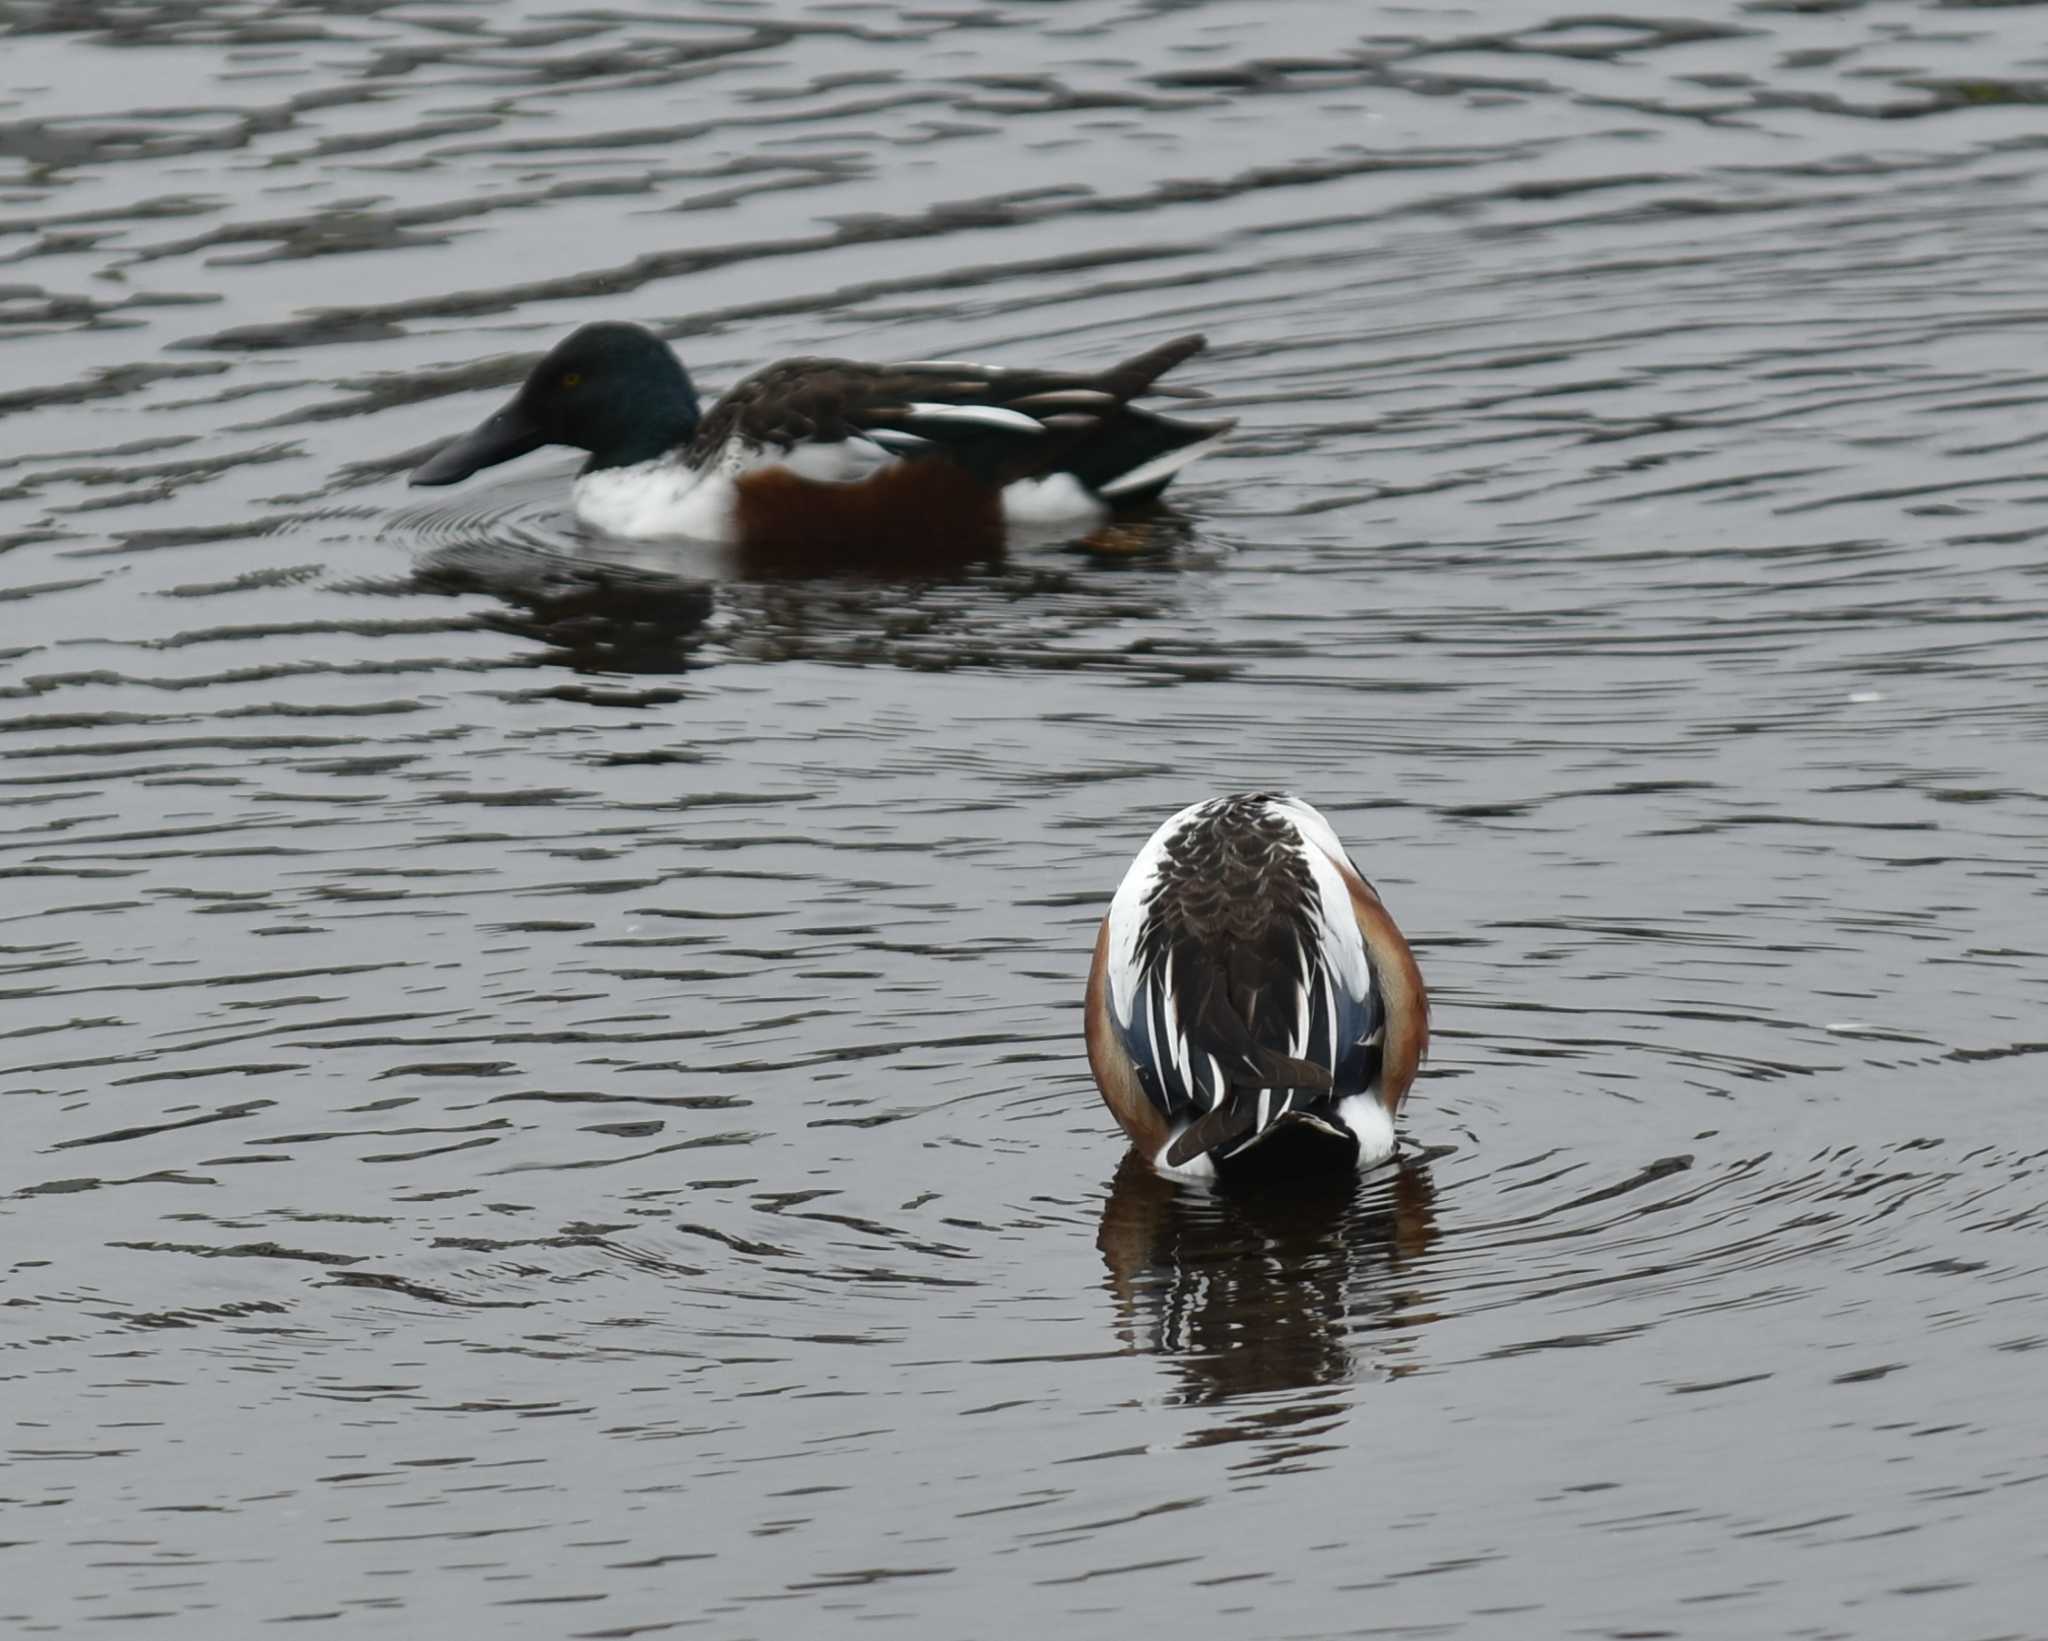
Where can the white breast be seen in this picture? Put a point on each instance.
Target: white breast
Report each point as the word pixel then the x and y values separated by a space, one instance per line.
pixel 666 497
pixel 658 498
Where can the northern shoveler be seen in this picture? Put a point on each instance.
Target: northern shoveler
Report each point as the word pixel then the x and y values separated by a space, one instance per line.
pixel 1252 1006
pixel 811 451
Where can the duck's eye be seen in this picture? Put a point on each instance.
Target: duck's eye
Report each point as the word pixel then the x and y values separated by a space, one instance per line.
pixel 572 378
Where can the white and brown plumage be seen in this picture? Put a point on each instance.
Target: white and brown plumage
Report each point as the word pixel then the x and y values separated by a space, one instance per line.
pixel 1251 1001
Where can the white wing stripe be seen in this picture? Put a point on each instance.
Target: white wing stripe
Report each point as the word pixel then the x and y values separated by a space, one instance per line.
pixel 1071 398
pixel 1159 467
pixel 1343 949
pixel 977 416
pixel 1176 1044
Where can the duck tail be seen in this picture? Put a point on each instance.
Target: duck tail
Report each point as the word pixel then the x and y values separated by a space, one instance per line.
pixel 1135 453
pixel 1138 373
pixel 1256 1075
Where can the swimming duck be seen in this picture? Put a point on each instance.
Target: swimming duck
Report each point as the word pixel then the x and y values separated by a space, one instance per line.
pixel 815 450
pixel 1252 1007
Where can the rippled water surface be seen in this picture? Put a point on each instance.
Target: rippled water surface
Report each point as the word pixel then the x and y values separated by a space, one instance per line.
pixel 540 1082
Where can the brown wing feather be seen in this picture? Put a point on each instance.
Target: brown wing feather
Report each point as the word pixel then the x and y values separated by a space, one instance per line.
pixel 1228 923
pixel 792 402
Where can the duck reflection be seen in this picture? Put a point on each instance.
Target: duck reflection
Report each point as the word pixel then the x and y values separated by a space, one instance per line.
pixel 1259 1293
pixel 655 608
pixel 1151 534
pixel 591 617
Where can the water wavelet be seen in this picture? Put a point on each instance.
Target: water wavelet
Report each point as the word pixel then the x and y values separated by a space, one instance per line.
pixel 494 1148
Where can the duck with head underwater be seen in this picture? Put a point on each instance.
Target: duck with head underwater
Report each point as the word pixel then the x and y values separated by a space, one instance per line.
pixel 833 453
pixel 1253 1012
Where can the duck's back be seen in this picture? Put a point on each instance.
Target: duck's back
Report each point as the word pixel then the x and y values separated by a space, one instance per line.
pixel 1008 427
pixel 1251 973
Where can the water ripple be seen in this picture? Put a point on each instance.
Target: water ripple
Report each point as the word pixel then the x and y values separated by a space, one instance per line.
pixel 543 1073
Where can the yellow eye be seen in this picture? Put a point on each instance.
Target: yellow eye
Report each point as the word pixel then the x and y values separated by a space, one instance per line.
pixel 573 378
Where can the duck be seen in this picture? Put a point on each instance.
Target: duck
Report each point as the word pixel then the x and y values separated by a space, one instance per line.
pixel 1253 1011
pixel 819 451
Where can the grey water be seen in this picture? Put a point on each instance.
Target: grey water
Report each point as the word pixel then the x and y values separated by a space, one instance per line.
pixel 540 1083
